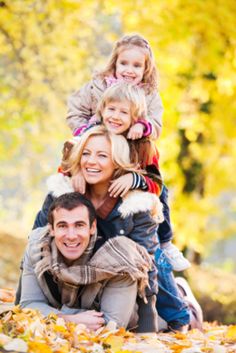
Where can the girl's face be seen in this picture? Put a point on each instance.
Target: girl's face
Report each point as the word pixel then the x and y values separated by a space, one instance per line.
pixel 117 116
pixel 96 162
pixel 130 65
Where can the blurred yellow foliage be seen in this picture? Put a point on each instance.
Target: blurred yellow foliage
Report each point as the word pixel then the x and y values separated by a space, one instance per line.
pixel 50 48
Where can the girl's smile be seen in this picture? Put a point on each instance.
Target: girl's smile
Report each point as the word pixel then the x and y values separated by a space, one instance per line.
pixel 130 65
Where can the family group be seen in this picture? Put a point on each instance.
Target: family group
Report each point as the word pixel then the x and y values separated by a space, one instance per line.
pixel 101 246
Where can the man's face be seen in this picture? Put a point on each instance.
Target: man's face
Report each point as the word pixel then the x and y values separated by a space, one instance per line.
pixel 72 231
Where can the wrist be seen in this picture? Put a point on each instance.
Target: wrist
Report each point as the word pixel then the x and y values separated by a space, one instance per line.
pixel 147 127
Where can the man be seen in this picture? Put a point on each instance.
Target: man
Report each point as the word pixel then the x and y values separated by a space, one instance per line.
pixel 62 274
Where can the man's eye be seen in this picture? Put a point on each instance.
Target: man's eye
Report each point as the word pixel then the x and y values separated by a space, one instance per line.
pixel 61 226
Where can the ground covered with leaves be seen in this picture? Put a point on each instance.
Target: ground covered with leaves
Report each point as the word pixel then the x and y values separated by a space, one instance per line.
pixel 26 330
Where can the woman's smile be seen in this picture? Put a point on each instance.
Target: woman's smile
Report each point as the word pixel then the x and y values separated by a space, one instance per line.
pixel 96 162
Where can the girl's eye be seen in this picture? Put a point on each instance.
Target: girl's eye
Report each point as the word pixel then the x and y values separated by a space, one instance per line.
pixel 124 112
pixel 137 65
pixel 123 63
pixel 111 109
pixel 85 154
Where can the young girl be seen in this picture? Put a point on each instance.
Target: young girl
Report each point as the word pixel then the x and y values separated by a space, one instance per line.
pixel 121 107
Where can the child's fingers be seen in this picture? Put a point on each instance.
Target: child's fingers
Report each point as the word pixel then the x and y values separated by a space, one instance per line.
pixel 125 191
pixel 114 189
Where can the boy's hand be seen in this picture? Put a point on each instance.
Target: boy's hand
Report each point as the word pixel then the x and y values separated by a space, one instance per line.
pixel 121 185
pixel 78 182
pixel 135 132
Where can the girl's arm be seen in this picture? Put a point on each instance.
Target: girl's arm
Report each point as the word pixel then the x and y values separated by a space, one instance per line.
pixel 80 107
pixel 154 113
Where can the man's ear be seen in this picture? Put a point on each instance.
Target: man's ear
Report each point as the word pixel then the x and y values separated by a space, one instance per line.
pixel 93 227
pixel 51 230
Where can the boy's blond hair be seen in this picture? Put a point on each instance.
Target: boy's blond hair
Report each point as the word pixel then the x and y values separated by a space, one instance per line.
pixel 124 92
pixel 134 41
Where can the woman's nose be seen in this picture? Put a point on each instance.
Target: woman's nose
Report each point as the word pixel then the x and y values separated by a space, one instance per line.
pixel 91 159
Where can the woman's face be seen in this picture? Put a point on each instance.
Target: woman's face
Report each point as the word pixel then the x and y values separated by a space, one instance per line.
pixel 96 162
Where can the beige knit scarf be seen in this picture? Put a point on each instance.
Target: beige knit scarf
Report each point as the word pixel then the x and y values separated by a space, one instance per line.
pixel 118 256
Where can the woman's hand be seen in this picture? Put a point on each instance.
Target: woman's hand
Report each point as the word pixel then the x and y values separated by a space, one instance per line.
pixel 92 319
pixel 121 185
pixel 78 182
pixel 135 132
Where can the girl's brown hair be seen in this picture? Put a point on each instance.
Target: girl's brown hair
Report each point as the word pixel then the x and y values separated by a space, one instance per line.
pixel 129 41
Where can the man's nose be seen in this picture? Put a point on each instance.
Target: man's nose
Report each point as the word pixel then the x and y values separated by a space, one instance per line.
pixel 71 233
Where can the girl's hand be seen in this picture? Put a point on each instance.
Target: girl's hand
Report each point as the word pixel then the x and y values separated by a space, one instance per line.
pixel 135 132
pixel 92 319
pixel 121 185
pixel 78 182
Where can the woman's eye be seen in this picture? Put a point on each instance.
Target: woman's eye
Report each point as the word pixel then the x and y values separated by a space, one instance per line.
pixel 103 155
pixel 85 154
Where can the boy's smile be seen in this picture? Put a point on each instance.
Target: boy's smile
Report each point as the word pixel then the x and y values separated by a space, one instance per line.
pixel 117 116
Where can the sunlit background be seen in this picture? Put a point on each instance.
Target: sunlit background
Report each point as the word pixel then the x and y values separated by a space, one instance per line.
pixel 50 48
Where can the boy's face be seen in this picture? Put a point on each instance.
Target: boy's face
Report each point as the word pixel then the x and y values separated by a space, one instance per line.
pixel 117 116
pixel 72 231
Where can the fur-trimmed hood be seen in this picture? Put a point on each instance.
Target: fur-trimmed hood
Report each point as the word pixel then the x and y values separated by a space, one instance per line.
pixel 133 202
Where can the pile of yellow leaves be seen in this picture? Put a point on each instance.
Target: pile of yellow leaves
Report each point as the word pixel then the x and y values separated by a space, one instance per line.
pixel 26 330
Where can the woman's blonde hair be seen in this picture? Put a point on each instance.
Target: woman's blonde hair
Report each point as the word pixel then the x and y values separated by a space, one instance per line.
pixel 120 152
pixel 120 92
pixel 130 41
